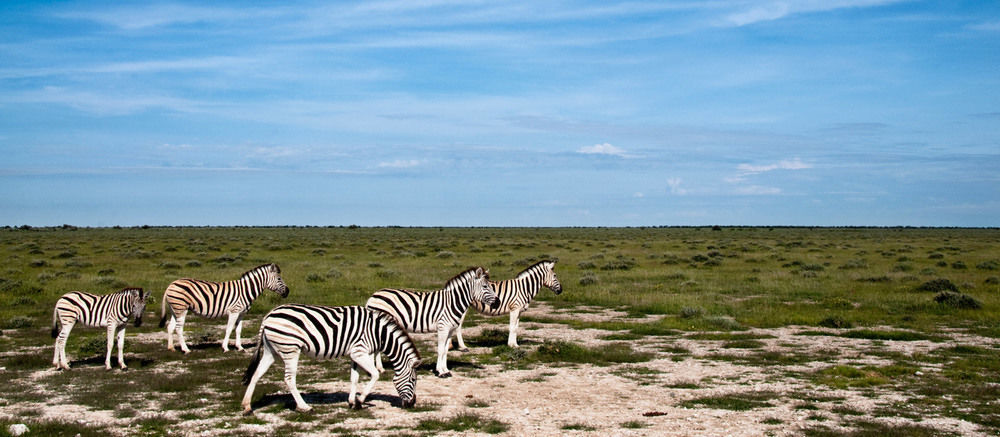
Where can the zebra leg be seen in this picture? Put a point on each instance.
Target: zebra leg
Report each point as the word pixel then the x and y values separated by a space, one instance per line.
pixel 121 347
pixel 458 334
pixel 180 332
pixel 291 360
pixel 61 361
pixel 112 330
pixel 378 361
pixel 170 332
pixel 514 321
pixel 239 330
pixel 444 335
pixel 354 386
pixel 266 359
pixel 365 361
pixel 229 330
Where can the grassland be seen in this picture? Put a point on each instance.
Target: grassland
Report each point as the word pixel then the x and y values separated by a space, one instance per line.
pixel 679 287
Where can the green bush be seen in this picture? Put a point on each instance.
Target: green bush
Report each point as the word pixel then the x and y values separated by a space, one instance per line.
pixel 937 285
pixel 957 300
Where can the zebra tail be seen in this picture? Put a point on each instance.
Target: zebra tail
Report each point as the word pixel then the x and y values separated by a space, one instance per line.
pixel 55 323
pixel 255 361
pixel 163 311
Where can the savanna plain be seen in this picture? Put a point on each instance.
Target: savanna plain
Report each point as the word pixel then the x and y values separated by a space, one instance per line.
pixel 658 331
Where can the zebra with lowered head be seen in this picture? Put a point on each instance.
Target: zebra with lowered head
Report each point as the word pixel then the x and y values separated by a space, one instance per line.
pixel 515 295
pixel 217 299
pixel 111 311
pixel 329 332
pixel 438 311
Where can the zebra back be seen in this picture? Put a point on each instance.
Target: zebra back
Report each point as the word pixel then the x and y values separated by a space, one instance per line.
pixel 214 299
pixel 417 311
pixel 98 310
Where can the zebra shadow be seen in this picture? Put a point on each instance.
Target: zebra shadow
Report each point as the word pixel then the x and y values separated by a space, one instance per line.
pixel 319 398
pixel 218 345
pixel 131 362
pixel 430 366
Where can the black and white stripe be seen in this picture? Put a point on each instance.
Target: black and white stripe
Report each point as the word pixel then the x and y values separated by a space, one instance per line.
pixel 515 295
pixel 438 311
pixel 329 332
pixel 217 299
pixel 110 311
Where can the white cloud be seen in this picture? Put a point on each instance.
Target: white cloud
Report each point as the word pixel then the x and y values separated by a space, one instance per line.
pixel 638 195
pixel 757 190
pixel 400 163
pixel 775 10
pixel 675 186
pixel 602 149
pixel 793 164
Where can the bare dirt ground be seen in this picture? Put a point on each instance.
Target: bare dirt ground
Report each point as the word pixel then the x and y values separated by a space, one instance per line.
pixel 644 398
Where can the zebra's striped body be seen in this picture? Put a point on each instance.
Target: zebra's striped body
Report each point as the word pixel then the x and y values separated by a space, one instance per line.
pixel 217 299
pixel 110 311
pixel 329 332
pixel 437 311
pixel 515 295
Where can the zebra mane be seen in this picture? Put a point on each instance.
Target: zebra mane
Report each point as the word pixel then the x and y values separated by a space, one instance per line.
pixel 259 268
pixel 524 273
pixel 464 276
pixel 130 289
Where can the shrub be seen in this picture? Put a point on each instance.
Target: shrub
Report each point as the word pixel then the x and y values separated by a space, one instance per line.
pixel 959 265
pixel 445 254
pixel 937 285
pixel 18 322
pixel 957 300
pixel 621 262
pixel 988 265
pixel 691 312
pixel 836 322
pixel 315 277
pixel 193 263
pixel 586 265
pixel 588 278
pixel 992 280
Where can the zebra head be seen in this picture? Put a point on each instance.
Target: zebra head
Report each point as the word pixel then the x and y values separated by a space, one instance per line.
pixel 405 381
pixel 549 278
pixel 482 289
pixel 274 282
pixel 137 299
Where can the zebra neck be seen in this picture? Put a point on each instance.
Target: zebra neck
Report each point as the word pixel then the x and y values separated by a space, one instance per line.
pixel 253 284
pixel 460 298
pixel 530 284
pixel 396 348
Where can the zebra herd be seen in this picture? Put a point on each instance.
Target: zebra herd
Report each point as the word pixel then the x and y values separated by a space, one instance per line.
pixel 363 333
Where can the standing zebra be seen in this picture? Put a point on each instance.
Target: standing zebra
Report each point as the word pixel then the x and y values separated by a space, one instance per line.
pixel 111 311
pixel 438 311
pixel 217 299
pixel 329 332
pixel 515 295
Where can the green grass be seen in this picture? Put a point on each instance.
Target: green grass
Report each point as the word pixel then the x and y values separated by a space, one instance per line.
pixel 463 422
pixel 703 285
pixel 735 402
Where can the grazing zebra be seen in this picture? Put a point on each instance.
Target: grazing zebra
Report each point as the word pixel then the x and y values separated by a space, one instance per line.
pixel 515 295
pixel 111 311
pixel 217 299
pixel 329 332
pixel 437 311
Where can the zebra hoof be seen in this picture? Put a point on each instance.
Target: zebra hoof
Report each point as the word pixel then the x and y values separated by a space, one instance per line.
pixel 356 405
pixel 464 349
pixel 444 375
pixel 247 412
pixel 303 409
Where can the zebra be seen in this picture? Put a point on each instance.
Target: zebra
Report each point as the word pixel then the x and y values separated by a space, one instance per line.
pixel 515 295
pixel 328 332
pixel 438 311
pixel 217 299
pixel 110 310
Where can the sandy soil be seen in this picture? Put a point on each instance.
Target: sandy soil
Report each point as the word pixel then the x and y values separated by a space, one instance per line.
pixel 544 399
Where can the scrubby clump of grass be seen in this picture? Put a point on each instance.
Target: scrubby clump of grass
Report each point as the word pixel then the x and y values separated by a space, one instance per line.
pixel 733 402
pixel 588 278
pixel 938 285
pixel 836 322
pixel 562 351
pixel 463 422
pixel 957 300
pixel 578 427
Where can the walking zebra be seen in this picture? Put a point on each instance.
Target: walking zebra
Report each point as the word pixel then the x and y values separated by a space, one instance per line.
pixel 438 311
pixel 515 295
pixel 217 299
pixel 329 332
pixel 111 311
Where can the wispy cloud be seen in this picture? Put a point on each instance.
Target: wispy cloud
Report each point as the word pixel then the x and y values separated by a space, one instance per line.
pixel 774 10
pixel 603 149
pixel 401 163
pixel 792 164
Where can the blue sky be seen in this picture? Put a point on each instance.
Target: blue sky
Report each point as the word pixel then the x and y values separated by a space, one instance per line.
pixel 556 113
